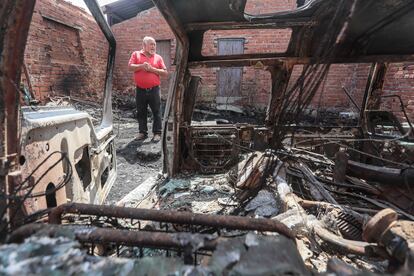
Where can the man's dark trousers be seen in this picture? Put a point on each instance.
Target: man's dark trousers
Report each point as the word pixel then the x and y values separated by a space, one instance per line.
pixel 151 97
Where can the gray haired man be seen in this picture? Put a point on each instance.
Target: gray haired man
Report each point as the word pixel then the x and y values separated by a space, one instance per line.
pixel 148 67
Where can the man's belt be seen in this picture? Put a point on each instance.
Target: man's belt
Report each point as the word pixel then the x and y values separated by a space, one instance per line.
pixel 147 89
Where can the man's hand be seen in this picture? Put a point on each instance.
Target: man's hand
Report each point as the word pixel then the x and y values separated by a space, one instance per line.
pixel 160 72
pixel 147 67
pixel 137 67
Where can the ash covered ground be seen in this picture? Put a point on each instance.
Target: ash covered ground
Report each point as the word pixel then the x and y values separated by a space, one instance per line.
pixel 136 160
pixel 139 160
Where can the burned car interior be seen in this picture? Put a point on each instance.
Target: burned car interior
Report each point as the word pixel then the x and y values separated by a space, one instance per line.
pixel 286 196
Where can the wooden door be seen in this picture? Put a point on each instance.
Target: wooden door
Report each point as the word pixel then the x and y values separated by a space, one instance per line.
pixel 164 50
pixel 229 79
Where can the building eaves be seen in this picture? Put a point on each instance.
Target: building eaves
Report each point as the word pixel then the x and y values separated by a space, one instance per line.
pixel 122 10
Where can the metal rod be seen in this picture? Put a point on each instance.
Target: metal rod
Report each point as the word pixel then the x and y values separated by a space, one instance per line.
pixel 96 11
pixel 29 81
pixel 371 75
pixel 375 82
pixel 95 235
pixel 383 175
pixel 349 246
pixel 229 222
pixel 145 239
pixel 15 18
pixel 350 98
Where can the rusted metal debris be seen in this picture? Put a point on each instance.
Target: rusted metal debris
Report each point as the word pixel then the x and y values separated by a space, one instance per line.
pixel 230 222
pixel 253 254
pixel 117 236
pixel 317 48
pixel 341 220
pixel 378 224
pixel 397 176
pixel 15 17
pixel 92 236
pixel 31 95
pixel 214 149
pixel 36 172
pixel 252 171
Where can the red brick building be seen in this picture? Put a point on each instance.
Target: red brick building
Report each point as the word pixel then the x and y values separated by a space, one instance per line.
pixel 255 82
pixel 66 54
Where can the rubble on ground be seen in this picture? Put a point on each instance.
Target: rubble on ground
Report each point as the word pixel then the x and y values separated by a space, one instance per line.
pixel 333 225
pixel 318 198
pixel 62 254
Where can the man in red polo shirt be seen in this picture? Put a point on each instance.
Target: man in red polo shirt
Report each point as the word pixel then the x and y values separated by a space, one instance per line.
pixel 148 67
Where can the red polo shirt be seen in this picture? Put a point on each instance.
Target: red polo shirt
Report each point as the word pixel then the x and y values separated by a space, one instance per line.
pixel 144 79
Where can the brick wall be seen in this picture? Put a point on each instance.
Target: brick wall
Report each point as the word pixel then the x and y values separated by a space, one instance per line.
pixel 66 52
pixel 400 81
pixel 331 94
pixel 269 6
pixel 66 55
